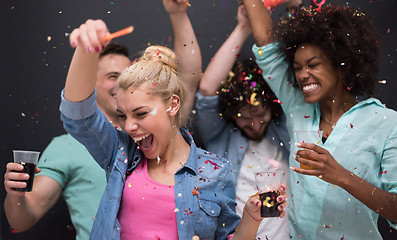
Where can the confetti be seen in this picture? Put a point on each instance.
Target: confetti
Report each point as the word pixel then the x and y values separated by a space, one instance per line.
pixel 254 102
pixel 306 116
pixel 195 192
pixel 277 101
pixel 260 52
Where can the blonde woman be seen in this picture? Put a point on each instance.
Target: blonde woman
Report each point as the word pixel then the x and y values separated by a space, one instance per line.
pixel 160 185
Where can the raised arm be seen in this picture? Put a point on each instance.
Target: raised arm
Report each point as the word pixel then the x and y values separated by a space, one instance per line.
pixel 187 50
pixel 218 69
pixel 24 210
pixel 260 21
pixel 81 78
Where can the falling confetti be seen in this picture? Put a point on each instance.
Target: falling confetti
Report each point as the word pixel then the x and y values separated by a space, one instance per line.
pixel 195 192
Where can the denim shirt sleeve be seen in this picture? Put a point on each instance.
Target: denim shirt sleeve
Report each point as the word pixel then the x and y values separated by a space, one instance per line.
pixel 278 75
pixel 228 214
pixel 210 124
pixel 86 123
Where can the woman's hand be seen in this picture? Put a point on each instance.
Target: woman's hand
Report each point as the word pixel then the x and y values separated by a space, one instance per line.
pixel 242 18
pixel 253 205
pixel 323 163
pixel 14 178
pixel 90 36
pixel 175 6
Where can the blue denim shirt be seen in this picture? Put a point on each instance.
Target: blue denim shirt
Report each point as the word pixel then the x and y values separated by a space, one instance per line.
pixel 213 207
pixel 224 138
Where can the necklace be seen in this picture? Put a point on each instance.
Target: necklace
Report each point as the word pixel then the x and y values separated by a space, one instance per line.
pixel 329 122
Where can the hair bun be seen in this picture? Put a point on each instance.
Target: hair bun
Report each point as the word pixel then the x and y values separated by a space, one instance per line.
pixel 161 54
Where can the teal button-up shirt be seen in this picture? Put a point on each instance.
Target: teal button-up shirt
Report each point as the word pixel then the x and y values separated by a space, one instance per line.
pixel 364 141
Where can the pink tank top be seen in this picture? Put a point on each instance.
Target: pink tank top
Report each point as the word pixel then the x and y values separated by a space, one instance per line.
pixel 147 208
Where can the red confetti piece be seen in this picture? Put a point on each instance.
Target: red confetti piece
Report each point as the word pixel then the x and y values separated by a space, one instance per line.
pixel 277 101
pixel 14 231
pixel 306 116
pixel 216 166
pixel 351 125
pixel 384 172
pixel 326 226
pixel 241 147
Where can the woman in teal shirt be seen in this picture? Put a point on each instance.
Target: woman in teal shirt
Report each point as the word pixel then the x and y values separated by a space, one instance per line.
pixel 324 60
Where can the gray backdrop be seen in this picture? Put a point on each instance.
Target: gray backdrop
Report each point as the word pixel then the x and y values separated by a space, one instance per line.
pixel 33 69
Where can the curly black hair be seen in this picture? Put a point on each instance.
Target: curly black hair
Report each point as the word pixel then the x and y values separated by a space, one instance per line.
pixel 346 34
pixel 246 79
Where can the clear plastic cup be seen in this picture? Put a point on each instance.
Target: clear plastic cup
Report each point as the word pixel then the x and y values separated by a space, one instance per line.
pixel 309 137
pixel 268 185
pixel 28 159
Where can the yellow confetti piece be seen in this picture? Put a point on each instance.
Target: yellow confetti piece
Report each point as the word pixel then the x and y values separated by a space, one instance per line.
pixel 48 38
pixel 129 184
pixel 260 52
pixel 253 101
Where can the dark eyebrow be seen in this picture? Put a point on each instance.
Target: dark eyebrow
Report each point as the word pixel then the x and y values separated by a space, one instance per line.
pixel 136 109
pixel 309 60
pixel 112 73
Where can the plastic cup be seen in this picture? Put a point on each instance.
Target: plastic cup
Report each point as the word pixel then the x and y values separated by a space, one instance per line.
pixel 268 185
pixel 28 159
pixel 309 137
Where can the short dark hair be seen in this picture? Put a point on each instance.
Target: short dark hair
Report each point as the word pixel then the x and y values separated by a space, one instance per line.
pixel 244 80
pixel 346 34
pixel 114 48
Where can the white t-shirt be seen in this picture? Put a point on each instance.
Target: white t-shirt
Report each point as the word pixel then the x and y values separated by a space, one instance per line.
pixel 261 156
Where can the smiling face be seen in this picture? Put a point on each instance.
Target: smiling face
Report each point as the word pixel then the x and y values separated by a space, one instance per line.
pixel 315 74
pixel 147 119
pixel 253 120
pixel 109 69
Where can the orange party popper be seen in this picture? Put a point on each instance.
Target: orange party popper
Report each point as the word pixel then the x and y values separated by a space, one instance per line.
pixel 120 33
